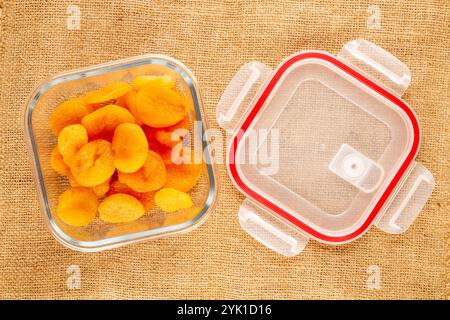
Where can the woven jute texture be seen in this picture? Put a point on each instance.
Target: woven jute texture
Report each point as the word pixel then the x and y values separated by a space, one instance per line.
pixel 214 38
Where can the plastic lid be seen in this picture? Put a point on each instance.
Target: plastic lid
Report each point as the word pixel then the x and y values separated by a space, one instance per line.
pixel 342 141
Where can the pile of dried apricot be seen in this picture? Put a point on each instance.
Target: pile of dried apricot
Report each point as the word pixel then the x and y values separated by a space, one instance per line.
pixel 116 144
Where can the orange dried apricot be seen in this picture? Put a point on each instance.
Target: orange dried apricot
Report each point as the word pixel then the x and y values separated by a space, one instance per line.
pixel 130 147
pixel 120 207
pixel 166 155
pixel 149 134
pixel 184 176
pixel 159 106
pixel 77 206
pixel 109 92
pixel 148 200
pixel 122 101
pixel 57 163
pixel 96 106
pixel 70 140
pixel 171 200
pixel 130 99
pixel 67 113
pixel 104 121
pixel 172 135
pixel 164 151
pixel 119 187
pixel 93 164
pixel 150 177
pixel 142 81
pixel 183 124
pixel 167 138
pixel 145 198
pixel 101 189
pixel 72 181
pixel 137 129
pixel 188 103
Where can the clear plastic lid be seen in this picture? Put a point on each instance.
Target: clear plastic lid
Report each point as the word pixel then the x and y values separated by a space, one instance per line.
pixel 322 144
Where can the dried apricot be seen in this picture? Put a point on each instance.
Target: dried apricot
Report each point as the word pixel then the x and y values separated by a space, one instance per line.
pixel 172 135
pixel 130 147
pixel 77 206
pixel 184 176
pixel 145 198
pixel 72 181
pixel 93 164
pixel 104 121
pixel 142 81
pixel 187 102
pixel 183 124
pixel 184 173
pixel 150 135
pixel 166 155
pixel 120 187
pixel 159 106
pixel 171 200
pixel 164 151
pixel 70 140
pixel 148 200
pixel 120 207
pixel 67 113
pixel 109 92
pixel 170 155
pixel 96 106
pixel 101 189
pixel 122 101
pixel 150 177
pixel 136 129
pixel 57 163
pixel 129 101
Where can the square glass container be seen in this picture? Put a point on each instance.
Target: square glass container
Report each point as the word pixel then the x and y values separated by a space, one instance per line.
pixel 346 145
pixel 100 235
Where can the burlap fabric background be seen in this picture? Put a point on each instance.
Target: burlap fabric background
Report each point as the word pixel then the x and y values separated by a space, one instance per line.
pixel 214 38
